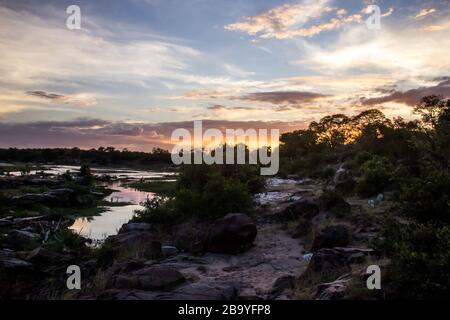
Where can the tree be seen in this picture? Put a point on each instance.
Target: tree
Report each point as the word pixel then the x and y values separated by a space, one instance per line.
pixel 431 109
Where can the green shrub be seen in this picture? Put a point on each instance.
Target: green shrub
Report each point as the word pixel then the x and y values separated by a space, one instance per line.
pixel 427 199
pixel 204 191
pixel 86 175
pixel 158 210
pixel 376 174
pixel 420 260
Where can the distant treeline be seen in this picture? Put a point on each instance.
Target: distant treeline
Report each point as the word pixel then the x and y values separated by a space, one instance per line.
pixel 75 156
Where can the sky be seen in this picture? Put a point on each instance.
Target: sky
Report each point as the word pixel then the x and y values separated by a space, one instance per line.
pixel 138 69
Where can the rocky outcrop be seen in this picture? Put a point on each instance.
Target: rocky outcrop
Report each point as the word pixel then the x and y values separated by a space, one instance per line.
pixel 21 239
pixel 150 278
pixel 328 264
pixel 231 234
pixel 344 181
pixel 190 236
pixel 202 290
pixel 335 290
pixel 136 226
pixel 286 282
pixel 306 208
pixel 332 236
pixel 137 244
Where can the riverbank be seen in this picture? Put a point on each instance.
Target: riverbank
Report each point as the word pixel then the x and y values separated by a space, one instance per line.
pixel 293 247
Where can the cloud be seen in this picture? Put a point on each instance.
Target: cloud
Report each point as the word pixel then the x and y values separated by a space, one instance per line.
pixel 280 97
pixel 412 97
pixel 437 27
pixel 202 94
pixel 388 13
pixel 81 99
pixel 424 12
pixel 282 21
pixel 40 51
pixel 289 20
pixel 390 52
pixel 219 107
pixel 92 133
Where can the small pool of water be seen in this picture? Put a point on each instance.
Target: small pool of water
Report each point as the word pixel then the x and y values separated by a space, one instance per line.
pixel 109 222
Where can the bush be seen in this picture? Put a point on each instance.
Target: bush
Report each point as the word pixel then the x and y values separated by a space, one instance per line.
pixel 157 210
pixel 420 260
pixel 86 175
pixel 376 174
pixel 427 199
pixel 204 191
pixel 217 197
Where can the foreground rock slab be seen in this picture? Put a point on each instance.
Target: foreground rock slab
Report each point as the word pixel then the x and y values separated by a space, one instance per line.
pixel 231 234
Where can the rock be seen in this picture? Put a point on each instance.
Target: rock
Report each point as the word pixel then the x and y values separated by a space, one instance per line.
pixel 335 203
pixel 283 283
pixel 5 223
pixel 14 264
pixel 190 236
pixel 136 244
pixel 231 234
pixel 42 256
pixel 331 236
pixel 150 278
pixel 20 240
pixel 346 187
pixel 305 208
pixel 344 181
pixel 327 264
pixel 205 290
pixel 335 290
pixel 202 290
pixel 136 226
pixel 32 199
pixel 169 250
pixel 342 175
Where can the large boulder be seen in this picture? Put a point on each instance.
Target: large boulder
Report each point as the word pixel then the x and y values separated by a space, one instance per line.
pixel 328 264
pixel 231 234
pixel 344 181
pixel 135 244
pixel 202 290
pixel 31 199
pixel 306 208
pixel 332 236
pixel 190 236
pixel 136 226
pixel 150 278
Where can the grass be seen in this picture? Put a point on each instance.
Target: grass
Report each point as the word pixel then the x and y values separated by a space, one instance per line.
pixel 163 187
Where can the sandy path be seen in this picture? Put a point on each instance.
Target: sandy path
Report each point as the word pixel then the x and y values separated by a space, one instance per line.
pixel 274 254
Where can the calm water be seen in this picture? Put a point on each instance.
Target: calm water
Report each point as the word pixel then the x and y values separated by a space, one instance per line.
pixel 109 222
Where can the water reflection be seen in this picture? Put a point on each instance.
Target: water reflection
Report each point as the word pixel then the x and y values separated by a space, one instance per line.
pixel 109 222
